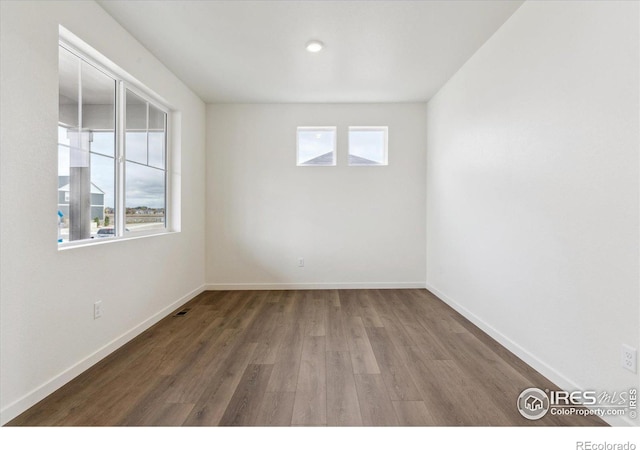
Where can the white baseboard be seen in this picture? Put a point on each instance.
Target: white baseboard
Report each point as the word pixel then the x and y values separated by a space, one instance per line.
pixel 19 406
pixel 304 286
pixel 538 364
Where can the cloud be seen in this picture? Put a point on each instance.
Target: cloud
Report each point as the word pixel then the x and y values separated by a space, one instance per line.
pixel 145 186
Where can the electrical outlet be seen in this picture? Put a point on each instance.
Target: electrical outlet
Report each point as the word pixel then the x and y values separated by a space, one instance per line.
pixel 629 358
pixel 97 310
pixel 300 262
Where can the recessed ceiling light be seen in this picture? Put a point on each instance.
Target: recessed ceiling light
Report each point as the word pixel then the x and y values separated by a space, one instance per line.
pixel 314 46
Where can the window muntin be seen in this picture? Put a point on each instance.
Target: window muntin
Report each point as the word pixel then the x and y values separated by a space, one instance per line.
pixel 368 146
pixel 316 146
pixel 112 179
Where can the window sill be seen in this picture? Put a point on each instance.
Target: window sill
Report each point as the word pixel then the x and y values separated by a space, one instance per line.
pixel 102 241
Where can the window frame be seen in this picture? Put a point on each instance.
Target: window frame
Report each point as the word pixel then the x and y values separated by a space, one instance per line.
pixel 123 82
pixel 317 129
pixel 383 128
pixel 123 160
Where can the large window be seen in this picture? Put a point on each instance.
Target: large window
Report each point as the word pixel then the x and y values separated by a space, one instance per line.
pixel 112 154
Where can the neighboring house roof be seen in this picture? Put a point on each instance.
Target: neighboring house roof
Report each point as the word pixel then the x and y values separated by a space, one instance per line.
pixel 325 159
pixel 94 189
pixel 359 161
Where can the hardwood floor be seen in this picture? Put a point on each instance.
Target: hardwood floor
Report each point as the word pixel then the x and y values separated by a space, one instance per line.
pixel 307 358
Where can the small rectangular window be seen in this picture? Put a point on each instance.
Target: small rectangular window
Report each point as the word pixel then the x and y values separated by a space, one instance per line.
pixel 316 146
pixel 368 146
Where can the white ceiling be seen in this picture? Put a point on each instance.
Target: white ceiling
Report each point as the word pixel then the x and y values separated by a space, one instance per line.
pixel 254 51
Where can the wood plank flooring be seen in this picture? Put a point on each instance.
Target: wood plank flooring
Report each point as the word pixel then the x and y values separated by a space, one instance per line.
pixel 303 358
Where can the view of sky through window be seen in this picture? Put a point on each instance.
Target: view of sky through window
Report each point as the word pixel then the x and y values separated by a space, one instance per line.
pixel 367 146
pixel 316 146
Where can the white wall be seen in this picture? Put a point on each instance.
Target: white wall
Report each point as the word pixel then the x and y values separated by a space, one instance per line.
pixel 354 226
pixel 532 189
pixel 48 334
